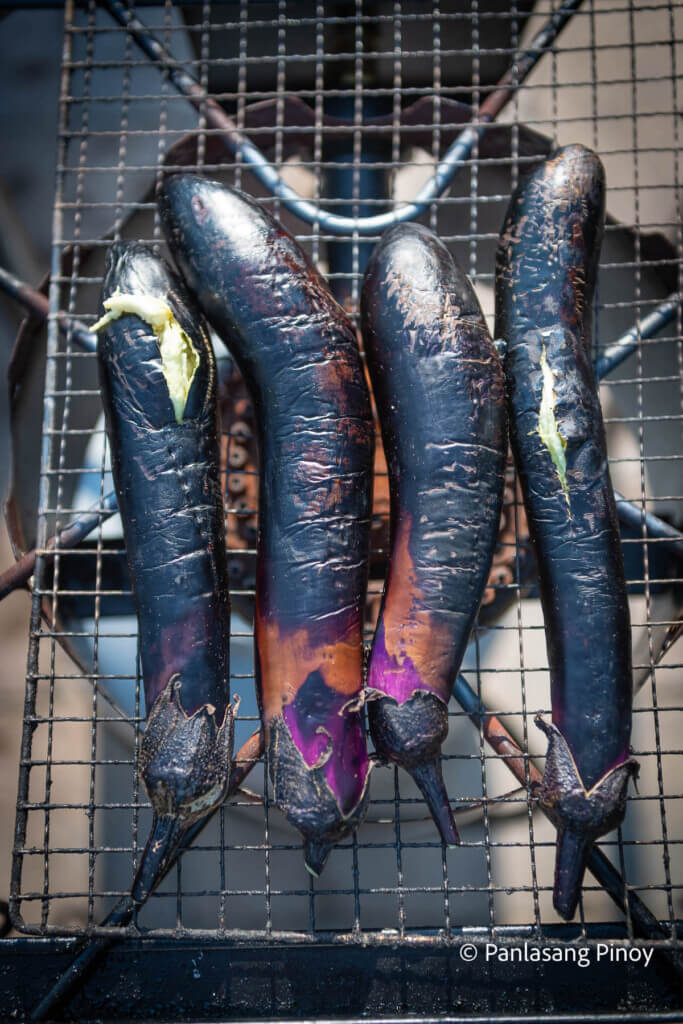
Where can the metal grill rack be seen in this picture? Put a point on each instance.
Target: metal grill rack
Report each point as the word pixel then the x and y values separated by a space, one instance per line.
pixel 353 105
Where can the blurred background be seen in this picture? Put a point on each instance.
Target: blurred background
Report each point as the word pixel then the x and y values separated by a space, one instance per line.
pixel 613 85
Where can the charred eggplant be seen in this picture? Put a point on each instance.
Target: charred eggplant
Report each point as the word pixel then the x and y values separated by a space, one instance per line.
pixel 297 351
pixel 546 271
pixel 158 383
pixel 438 384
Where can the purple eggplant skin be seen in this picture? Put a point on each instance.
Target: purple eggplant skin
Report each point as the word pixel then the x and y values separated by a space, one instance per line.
pixel 298 353
pixel 546 270
pixel 439 387
pixel 169 495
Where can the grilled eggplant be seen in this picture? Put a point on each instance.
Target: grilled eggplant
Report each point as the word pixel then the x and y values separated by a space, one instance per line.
pixel 438 384
pixel 158 383
pixel 297 351
pixel 546 271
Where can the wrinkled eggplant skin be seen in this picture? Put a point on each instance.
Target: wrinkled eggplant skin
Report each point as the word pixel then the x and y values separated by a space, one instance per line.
pixel 298 353
pixel 545 277
pixel 438 384
pixel 168 487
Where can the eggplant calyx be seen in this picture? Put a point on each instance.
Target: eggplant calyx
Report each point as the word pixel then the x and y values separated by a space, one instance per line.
pixel 409 732
pixel 179 357
pixel 580 815
pixel 305 797
pixel 501 347
pixel 185 760
pixel 563 789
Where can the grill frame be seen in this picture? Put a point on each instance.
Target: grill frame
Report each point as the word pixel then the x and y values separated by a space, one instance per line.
pixel 61 285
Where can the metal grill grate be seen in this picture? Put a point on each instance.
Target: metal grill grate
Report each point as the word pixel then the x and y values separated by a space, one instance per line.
pixel 353 104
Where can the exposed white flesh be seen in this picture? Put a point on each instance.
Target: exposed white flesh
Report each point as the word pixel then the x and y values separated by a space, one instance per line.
pixel 547 425
pixel 179 358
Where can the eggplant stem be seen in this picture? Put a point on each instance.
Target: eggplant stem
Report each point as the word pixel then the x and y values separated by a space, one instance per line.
pixel 162 845
pixel 316 852
pixel 429 778
pixel 570 867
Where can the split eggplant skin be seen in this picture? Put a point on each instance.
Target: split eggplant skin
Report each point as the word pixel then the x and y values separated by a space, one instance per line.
pixel 298 353
pixel 439 387
pixel 168 487
pixel 546 270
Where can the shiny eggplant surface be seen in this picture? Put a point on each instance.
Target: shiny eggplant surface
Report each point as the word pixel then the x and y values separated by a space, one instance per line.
pixel 297 351
pixel 166 472
pixel 438 384
pixel 546 271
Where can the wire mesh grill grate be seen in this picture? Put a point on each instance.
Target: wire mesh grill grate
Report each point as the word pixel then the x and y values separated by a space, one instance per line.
pixel 353 104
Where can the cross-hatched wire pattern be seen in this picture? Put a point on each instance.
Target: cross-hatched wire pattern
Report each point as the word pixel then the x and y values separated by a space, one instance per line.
pixel 353 103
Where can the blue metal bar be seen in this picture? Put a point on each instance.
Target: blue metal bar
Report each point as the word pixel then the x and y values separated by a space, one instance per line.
pixel 628 343
pixel 635 515
pixel 331 223
pixel 352 179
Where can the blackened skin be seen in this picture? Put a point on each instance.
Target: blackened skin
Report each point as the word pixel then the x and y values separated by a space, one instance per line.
pixel 438 383
pixel 169 495
pixel 546 270
pixel 297 351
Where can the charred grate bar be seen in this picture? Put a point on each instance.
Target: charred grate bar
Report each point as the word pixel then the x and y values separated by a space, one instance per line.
pixel 355 108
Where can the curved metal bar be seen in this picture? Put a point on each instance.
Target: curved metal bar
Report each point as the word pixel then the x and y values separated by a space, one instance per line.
pixel 38 305
pixel 615 354
pixel 334 224
pixel 73 533
pixel 634 515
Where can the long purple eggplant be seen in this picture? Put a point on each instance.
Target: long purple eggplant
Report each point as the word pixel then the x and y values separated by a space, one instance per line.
pixel 158 382
pixel 546 271
pixel 438 384
pixel 297 351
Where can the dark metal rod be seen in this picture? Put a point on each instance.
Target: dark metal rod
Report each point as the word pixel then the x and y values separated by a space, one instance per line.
pixel 123 912
pixel 635 515
pixel 73 533
pixel 240 146
pixel 33 301
pixel 37 304
pixel 615 354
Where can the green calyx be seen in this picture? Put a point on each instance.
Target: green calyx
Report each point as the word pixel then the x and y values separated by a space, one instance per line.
pixel 179 358
pixel 547 426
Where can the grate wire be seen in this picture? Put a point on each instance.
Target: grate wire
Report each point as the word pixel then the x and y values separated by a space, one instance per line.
pixel 119 120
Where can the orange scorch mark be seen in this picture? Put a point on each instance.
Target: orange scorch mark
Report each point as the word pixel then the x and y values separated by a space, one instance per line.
pixel 287 657
pixel 410 630
pixel 338 377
